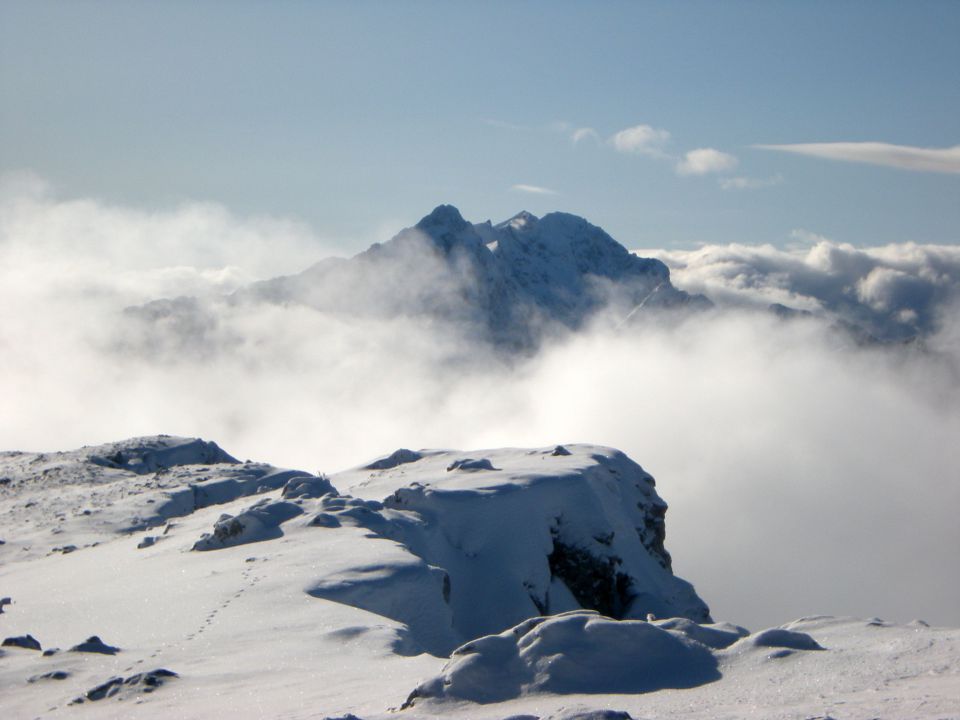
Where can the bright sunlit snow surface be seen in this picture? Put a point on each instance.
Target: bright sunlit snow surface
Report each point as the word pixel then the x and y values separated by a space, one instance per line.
pixel 161 577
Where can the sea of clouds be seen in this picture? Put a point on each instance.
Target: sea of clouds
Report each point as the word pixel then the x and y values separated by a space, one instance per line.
pixel 808 470
pixel 892 292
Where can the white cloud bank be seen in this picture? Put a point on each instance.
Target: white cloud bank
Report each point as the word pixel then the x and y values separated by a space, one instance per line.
pixel 805 475
pixel 892 292
pixel 905 157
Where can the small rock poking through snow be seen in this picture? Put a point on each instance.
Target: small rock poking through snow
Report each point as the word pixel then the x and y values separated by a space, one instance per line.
pixel 27 642
pixel 145 682
pixel 52 675
pixel 94 644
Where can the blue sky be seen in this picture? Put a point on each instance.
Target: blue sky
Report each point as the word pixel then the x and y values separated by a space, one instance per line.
pixel 359 117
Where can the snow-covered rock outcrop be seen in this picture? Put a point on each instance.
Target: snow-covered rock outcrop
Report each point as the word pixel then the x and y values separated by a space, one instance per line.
pixel 93 493
pixel 519 533
pixel 259 522
pixel 480 540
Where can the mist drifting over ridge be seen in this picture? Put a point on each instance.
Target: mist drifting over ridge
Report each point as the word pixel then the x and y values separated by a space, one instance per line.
pixel 801 467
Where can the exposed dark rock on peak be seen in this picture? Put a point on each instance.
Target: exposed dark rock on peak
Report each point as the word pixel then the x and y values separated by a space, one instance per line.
pixel 443 217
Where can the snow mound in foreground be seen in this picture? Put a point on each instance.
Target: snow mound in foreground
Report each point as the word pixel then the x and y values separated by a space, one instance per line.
pixel 716 635
pixel 576 652
pixel 782 638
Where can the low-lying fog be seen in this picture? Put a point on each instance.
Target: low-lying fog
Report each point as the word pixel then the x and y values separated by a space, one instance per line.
pixel 806 474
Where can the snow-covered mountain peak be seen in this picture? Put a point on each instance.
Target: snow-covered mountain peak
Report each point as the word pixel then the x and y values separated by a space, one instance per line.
pixel 508 284
pixel 560 228
pixel 523 220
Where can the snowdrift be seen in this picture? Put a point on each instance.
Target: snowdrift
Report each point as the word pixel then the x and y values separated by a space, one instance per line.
pixel 575 652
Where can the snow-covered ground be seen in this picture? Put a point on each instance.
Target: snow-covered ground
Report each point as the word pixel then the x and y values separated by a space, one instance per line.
pixel 415 585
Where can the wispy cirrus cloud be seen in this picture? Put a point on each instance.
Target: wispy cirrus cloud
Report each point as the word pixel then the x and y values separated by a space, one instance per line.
pixel 704 161
pixel 905 157
pixel 642 140
pixel 583 133
pixel 505 125
pixel 533 189
pixel 575 133
pixel 749 183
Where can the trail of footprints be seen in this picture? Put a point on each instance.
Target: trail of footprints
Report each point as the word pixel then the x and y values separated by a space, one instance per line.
pixel 250 581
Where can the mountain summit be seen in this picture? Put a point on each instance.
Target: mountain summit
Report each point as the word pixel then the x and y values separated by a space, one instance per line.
pixel 443 217
pixel 507 283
